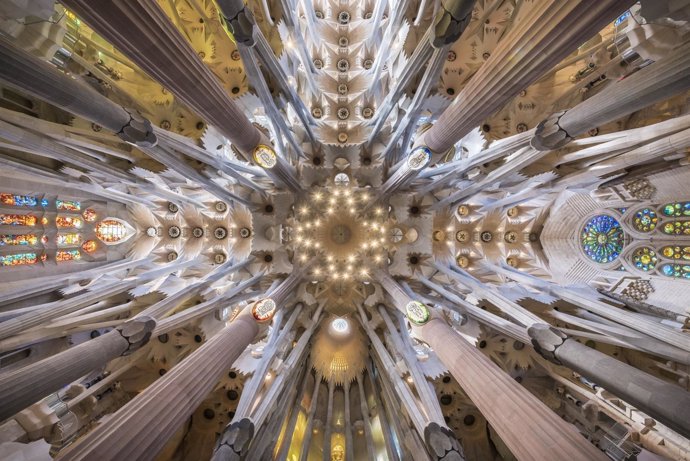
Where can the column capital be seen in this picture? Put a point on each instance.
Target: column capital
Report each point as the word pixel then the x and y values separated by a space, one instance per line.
pixel 138 130
pixel 451 20
pixel 234 442
pixel 442 443
pixel 546 341
pixel 549 135
pixel 240 19
pixel 136 332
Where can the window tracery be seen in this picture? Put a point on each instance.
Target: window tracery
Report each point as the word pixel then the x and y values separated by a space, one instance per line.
pixel 64 222
pixel 111 231
pixel 602 239
pixel 18 239
pixel 18 220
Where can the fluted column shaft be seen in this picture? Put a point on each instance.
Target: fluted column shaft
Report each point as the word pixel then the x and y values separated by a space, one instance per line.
pixel 364 408
pixel 141 428
pixel 661 80
pixel 141 30
pixel 545 36
pixel 328 427
pixel 25 386
pixel 306 439
pixel 526 425
pixel 292 422
pixel 349 446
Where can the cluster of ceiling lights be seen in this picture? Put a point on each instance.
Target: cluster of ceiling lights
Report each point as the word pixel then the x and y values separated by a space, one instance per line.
pixel 336 228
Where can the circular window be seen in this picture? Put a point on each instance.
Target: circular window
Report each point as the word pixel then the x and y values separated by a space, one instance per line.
pixel 151 231
pixel 343 17
pixel 198 232
pixel 219 258
pixel 644 259
pixel 245 232
pixel 645 220
pixel 341 326
pixel 172 256
pixel 174 232
pixel 341 179
pixel 221 207
pixel 602 239
pixel 172 207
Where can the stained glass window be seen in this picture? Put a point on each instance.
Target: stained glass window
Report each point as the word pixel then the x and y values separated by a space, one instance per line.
pixel 677 209
pixel 645 220
pixel 677 228
pixel 18 200
pixel 110 230
pixel 89 246
pixel 644 259
pixel 89 215
pixel 68 239
pixel 18 239
pixel 17 220
pixel 68 221
pixel 20 259
pixel 676 270
pixel 67 255
pixel 67 205
pixel 602 239
pixel 676 252
pixel 44 203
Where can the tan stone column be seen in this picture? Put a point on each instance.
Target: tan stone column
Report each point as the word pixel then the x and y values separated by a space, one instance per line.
pixel 547 34
pixel 29 74
pixel 530 429
pixel 141 30
pixel 25 386
pixel 141 428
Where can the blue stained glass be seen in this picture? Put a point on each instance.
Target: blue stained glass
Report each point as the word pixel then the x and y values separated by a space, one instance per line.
pixel 44 203
pixel 602 239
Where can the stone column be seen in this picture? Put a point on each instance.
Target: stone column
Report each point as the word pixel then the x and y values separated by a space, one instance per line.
pixel 29 74
pixel 141 428
pixel 141 30
pixel 328 427
pixel 306 439
pixel 547 34
pixel 349 446
pixel 656 82
pixel 661 400
pixel 364 408
pixel 529 428
pixel 292 422
pixel 25 386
